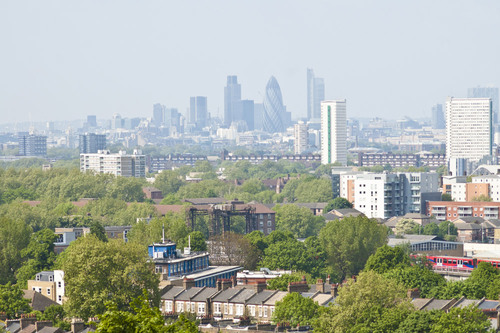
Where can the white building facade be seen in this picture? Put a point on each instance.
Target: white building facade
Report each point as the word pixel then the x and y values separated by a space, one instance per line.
pixel 469 131
pixel 333 132
pixel 301 136
pixel 120 164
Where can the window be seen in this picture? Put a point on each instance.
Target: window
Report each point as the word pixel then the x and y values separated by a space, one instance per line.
pixel 265 311
pixel 216 308
pixel 168 306
pixel 179 306
pixel 230 309
pixel 201 308
pixel 51 278
pixel 59 284
pixel 260 311
pixel 59 298
pixel 48 291
pixel 269 223
pixel 251 309
pixel 34 288
pixel 239 309
pixel 193 307
pixel 226 309
pixel 271 311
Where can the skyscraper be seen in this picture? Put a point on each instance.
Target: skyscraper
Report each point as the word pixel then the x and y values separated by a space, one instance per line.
pixel 486 92
pixel 301 137
pixel 32 145
pixel 198 113
pixel 158 111
pixel 438 121
pixel 333 132
pixel 232 96
pixel 273 108
pixel 468 128
pixel 92 121
pixel 315 95
pixel 246 107
pixel 91 143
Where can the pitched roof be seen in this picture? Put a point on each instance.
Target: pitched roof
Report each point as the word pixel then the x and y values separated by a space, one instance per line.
pixel 28 329
pixel 165 209
pixel 204 294
pixel 38 301
pixel 205 201
pixel 226 295
pixel 243 296
pixel 261 297
pixel 189 293
pixel 278 296
pixel 48 329
pixel 172 292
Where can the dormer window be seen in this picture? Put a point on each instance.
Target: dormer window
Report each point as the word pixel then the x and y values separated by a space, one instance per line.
pixel 51 278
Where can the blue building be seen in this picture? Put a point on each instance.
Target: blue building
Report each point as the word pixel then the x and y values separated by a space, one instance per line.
pixel 174 266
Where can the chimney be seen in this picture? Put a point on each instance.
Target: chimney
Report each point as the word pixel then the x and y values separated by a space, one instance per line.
pixel 41 324
pixel 335 290
pixel 188 283
pixel 226 284
pixel 26 320
pixel 77 326
pixel 298 287
pixel 320 286
pixel 328 279
pixel 259 286
pixel 413 293
pixel 233 280
pixel 219 285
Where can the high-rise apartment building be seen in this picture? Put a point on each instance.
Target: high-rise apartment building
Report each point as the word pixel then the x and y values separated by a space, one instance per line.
pixel 333 132
pixel 300 131
pixel 469 131
pixel 91 143
pixel 438 121
pixel 32 145
pixel 232 97
pixel 486 92
pixel 383 195
pixel 198 112
pixel 120 164
pixel 158 111
pixel 315 95
pixel 273 108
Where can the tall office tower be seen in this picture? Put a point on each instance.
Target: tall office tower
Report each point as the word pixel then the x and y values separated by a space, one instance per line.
pixel 468 128
pixel 438 121
pixel 171 117
pixel 120 164
pixel 117 121
pixel 258 116
pixel 333 132
pixel 246 108
pixel 32 145
pixel 198 113
pixel 232 96
pixel 300 131
pixel 486 92
pixel 273 108
pixel 315 95
pixel 91 121
pixel 158 111
pixel 91 143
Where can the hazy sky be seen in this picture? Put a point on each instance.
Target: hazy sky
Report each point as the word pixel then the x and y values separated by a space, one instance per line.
pixel 62 60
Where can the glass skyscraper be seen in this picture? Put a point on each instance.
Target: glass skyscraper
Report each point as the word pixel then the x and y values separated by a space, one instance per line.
pixel 315 95
pixel 273 108
pixel 232 97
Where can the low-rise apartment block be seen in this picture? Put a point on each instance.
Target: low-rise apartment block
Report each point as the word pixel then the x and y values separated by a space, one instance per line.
pixel 121 164
pixel 49 284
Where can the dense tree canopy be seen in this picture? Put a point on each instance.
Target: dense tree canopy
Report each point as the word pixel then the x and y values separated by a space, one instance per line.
pixel 299 220
pixel 96 272
pixel 14 237
pixel 295 309
pixel 349 243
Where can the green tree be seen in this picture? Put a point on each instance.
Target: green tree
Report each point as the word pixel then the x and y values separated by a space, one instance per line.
pixel 295 310
pixel 431 229
pixel 446 197
pixel 128 189
pixel 198 242
pixel 337 203
pixel 482 197
pixel 281 282
pixel 349 243
pixel 447 229
pixel 12 301
pixel 406 226
pixel 168 182
pixel 419 321
pixel 96 272
pixel 232 249
pixel 387 258
pixel 363 304
pixel 299 220
pixel 39 255
pixel 56 314
pixel 316 190
pixel 463 320
pixel 287 254
pixel 98 230
pixel 418 277
pixel 14 237
pixel 143 318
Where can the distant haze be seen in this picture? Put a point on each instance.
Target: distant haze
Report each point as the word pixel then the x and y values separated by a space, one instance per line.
pixel 62 60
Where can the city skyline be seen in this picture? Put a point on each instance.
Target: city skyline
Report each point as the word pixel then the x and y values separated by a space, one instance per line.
pixel 394 53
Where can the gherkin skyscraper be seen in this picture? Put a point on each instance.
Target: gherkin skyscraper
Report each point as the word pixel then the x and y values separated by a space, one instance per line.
pixel 273 108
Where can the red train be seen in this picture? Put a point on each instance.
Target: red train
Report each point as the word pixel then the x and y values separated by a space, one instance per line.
pixel 460 263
